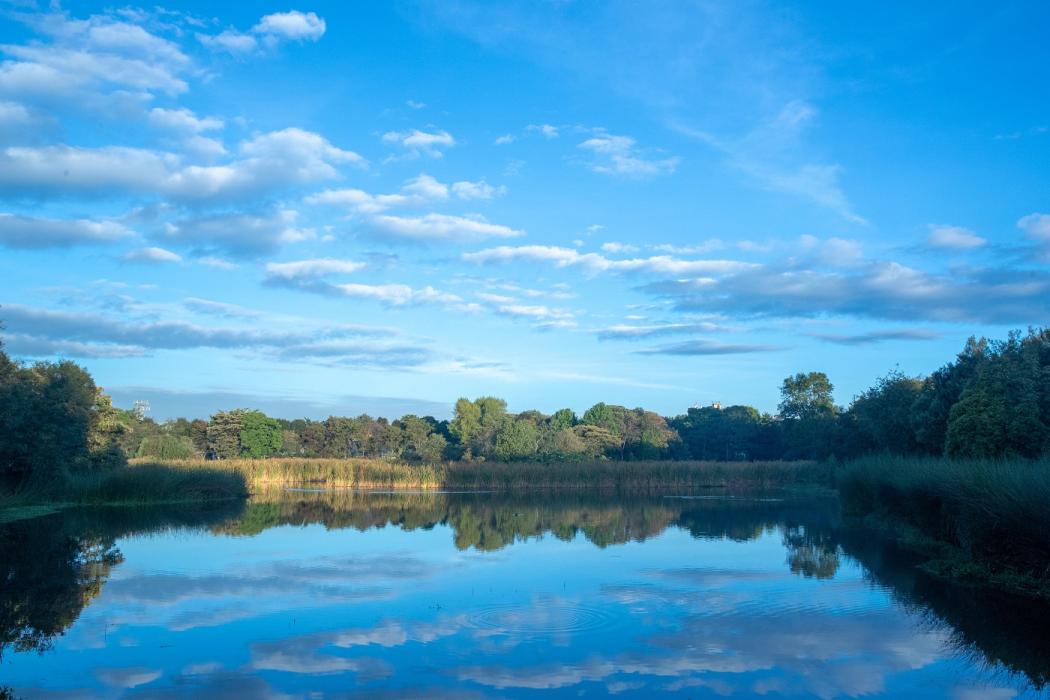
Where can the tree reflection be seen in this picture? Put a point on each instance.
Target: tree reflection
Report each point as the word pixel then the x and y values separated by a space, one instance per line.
pixel 52 567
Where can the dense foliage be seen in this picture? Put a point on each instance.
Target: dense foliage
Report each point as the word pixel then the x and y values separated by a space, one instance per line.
pixel 54 421
pixel 992 400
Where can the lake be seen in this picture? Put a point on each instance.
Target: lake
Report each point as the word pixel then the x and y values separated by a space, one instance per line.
pixel 430 595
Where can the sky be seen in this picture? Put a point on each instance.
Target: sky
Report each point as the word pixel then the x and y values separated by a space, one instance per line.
pixel 349 207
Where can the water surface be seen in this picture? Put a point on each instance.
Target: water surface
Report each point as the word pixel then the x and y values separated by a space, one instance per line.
pixel 350 594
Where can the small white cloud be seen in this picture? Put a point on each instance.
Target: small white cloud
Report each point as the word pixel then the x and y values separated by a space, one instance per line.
pixel 707 246
pixel 294 26
pixel 440 227
pixel 505 139
pixel 477 190
pixel 1036 226
pixel 182 120
pixel 618 155
pixel 231 41
pixel 955 237
pixel 615 247
pixel 317 267
pixel 211 261
pixel 152 255
pixel 415 105
pixel 29 232
pixel 546 130
pixel 416 142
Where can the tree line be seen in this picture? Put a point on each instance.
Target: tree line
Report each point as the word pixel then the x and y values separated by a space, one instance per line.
pixel 991 400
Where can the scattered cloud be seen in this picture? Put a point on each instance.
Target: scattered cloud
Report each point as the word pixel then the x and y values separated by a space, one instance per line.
pixel 954 237
pixel 182 120
pixel 615 247
pixel 240 235
pixel 1036 226
pixel 595 263
pixel 292 26
pixel 548 131
pixel 38 332
pixel 705 347
pixel 623 331
pixel 270 31
pixel 28 232
pixel 439 227
pixel 416 142
pixel 464 189
pixel 318 267
pixel 152 255
pixel 873 337
pixel 619 155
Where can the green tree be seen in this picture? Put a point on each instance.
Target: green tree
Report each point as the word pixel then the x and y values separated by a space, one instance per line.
pixel 224 434
pixel 516 440
pixel 260 435
pixel 883 414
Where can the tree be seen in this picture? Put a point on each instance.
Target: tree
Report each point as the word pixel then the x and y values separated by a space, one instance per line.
pixel 883 413
pixel 516 440
pixel 806 395
pixel 942 390
pixel 1005 409
pixel 224 434
pixel 260 435
pixel 106 433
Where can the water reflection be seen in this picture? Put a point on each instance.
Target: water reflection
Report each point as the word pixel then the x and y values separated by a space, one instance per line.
pixel 484 595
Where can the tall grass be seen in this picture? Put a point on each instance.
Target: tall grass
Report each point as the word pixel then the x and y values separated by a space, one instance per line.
pixel 135 484
pixel 494 476
pixel 994 513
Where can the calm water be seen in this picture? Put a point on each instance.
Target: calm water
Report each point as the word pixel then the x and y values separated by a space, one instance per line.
pixel 344 594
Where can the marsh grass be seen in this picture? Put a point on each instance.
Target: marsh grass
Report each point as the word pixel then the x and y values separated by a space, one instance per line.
pixel 494 476
pixel 138 484
pixel 977 519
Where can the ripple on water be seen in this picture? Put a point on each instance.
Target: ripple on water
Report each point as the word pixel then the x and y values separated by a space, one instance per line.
pixel 541 618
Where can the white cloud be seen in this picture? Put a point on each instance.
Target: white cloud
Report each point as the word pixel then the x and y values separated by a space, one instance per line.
pixel 477 190
pixel 268 161
pixel 617 155
pixel 239 235
pixel 219 263
pixel 272 30
pixel 769 154
pixel 29 232
pixel 955 237
pixel 414 192
pixel 548 131
pixel 396 294
pixel 86 58
pixel 152 255
pixel 616 247
pixel 595 263
pixel 416 142
pixel 292 25
pixel 318 267
pixel 182 120
pixel 230 41
pixel 1036 226
pixel 707 246
pixel 505 139
pixel 440 227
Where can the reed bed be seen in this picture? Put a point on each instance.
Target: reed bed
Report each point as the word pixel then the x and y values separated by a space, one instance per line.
pixel 137 485
pixel 494 476
pixel 994 514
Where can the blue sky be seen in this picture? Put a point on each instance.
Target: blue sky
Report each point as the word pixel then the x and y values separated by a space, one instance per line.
pixel 349 207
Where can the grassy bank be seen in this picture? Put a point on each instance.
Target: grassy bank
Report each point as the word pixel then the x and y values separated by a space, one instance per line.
pixel 137 484
pixel 984 521
pixel 491 476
